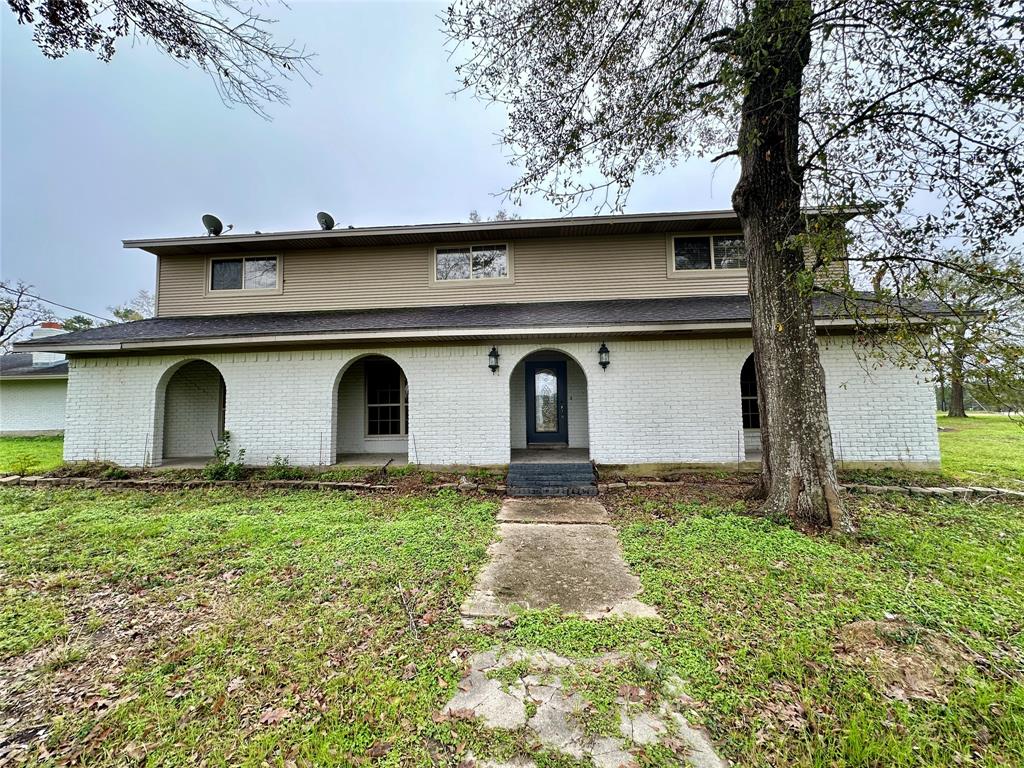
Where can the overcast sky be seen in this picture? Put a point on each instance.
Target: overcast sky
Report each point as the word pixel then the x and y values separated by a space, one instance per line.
pixel 93 153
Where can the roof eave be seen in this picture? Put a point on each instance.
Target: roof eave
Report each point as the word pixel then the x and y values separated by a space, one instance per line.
pixel 276 239
pixel 425 334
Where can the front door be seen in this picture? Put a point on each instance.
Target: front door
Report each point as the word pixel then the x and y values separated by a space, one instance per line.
pixel 547 420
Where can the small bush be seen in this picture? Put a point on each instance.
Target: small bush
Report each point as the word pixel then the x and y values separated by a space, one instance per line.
pixel 280 469
pixel 221 467
pixel 22 464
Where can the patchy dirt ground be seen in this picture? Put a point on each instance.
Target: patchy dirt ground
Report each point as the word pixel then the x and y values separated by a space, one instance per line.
pixel 79 671
pixel 903 662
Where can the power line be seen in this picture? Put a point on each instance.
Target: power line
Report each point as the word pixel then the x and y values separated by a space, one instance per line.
pixel 55 303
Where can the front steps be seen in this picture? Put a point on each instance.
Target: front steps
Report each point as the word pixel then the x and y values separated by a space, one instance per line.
pixel 567 479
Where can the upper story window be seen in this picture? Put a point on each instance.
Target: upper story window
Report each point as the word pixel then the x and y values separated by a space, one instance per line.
pixel 471 262
pixel 256 273
pixel 708 252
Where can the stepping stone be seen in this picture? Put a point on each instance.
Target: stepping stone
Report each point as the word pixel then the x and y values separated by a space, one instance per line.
pixel 489 701
pixel 558 723
pixel 642 727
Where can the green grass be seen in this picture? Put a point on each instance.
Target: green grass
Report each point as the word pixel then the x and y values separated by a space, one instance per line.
pixel 28 455
pixel 983 448
pixel 221 608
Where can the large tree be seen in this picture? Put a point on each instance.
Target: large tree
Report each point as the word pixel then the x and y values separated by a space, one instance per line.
pixel 910 109
pixel 231 41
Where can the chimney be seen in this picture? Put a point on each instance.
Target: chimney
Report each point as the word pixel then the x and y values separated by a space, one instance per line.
pixel 44 330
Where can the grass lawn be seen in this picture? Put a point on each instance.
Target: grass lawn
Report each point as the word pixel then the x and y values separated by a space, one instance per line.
pixel 28 455
pixel 983 448
pixel 305 628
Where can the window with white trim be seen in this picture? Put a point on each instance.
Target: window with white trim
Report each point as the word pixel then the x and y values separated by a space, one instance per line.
pixel 387 399
pixel 708 252
pixel 471 262
pixel 252 273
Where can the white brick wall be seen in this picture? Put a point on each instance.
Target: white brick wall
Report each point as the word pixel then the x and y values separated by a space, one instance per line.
pixel 32 407
pixel 878 411
pixel 658 401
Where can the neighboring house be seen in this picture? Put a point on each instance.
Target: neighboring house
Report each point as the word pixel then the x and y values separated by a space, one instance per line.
pixel 623 339
pixel 33 389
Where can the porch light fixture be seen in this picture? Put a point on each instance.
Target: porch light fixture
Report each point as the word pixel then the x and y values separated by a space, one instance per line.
pixel 492 359
pixel 602 356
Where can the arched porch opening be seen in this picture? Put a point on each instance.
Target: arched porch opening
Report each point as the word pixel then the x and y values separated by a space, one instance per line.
pixel 550 419
pixel 371 413
pixel 191 401
pixel 751 410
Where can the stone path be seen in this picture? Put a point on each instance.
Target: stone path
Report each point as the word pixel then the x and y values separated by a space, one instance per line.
pixel 558 713
pixel 556 552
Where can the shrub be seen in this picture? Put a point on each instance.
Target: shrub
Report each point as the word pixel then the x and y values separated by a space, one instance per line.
pixel 21 464
pixel 280 469
pixel 221 467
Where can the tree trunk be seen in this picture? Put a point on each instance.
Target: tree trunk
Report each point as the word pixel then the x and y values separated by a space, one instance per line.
pixel 956 381
pixel 798 475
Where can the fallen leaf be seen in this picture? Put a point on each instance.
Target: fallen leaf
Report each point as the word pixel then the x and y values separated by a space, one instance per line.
pixel 135 752
pixel 379 749
pixel 274 716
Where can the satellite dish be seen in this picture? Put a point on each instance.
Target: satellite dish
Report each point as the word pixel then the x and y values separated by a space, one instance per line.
pixel 325 220
pixel 213 224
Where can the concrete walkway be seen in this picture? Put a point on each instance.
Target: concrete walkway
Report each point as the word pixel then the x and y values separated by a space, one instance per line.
pixel 556 552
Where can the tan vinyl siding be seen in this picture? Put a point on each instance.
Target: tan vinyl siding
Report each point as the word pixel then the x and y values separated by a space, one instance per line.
pixel 569 269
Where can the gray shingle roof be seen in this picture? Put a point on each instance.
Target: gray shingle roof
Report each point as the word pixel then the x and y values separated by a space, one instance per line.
pixel 700 310
pixel 19 365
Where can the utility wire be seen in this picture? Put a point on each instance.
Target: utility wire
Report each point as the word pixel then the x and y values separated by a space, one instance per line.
pixel 55 303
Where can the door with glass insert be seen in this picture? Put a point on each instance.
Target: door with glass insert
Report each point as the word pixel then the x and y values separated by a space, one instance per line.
pixel 547 420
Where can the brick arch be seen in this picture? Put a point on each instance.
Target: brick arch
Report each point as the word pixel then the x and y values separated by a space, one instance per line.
pixel 337 392
pixel 578 385
pixel 190 404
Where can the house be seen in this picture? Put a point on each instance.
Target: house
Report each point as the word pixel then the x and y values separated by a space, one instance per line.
pixel 33 388
pixel 620 339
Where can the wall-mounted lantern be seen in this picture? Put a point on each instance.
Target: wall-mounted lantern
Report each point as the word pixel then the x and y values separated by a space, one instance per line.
pixel 602 356
pixel 492 359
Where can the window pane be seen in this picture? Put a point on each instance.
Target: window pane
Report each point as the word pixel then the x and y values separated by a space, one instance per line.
pixel 730 252
pixel 545 384
pixel 384 398
pixel 751 413
pixel 260 273
pixel 453 264
pixel 226 274
pixel 693 253
pixel 490 261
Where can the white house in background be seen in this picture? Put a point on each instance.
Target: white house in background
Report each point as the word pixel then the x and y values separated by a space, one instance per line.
pixel 621 339
pixel 33 389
